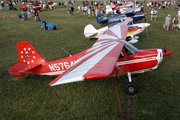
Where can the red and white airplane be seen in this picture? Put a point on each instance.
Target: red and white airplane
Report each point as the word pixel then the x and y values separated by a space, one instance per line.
pixel 109 56
pixel 123 8
pixel 36 7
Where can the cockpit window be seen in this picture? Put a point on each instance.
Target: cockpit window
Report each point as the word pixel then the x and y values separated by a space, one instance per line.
pixel 121 55
pixel 130 49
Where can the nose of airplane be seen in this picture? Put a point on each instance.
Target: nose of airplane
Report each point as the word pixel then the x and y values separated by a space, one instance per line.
pixel 167 52
pixel 146 24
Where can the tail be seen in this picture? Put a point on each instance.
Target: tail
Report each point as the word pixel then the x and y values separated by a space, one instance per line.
pixel 28 59
pixel 21 7
pixel 113 5
pixel 99 18
pixel 89 29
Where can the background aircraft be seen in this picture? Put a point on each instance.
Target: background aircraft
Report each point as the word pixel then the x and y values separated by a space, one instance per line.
pixel 133 30
pixel 35 7
pixel 101 19
pixel 110 55
pixel 112 8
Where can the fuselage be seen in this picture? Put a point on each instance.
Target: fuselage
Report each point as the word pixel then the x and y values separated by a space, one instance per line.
pixel 57 67
pixel 130 60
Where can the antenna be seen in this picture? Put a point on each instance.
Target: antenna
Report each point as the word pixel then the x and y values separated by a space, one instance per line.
pixel 66 52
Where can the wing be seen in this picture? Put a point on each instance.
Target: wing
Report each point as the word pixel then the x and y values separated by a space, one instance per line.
pixel 127 11
pixel 99 61
pixel 90 34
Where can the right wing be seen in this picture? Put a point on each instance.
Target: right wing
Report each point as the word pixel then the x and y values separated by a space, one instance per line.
pixel 99 60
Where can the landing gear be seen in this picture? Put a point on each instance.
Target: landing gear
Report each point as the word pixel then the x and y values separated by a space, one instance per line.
pixel 27 76
pixel 131 88
pixel 132 39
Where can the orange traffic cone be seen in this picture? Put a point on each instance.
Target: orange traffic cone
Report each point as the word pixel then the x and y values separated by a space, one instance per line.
pixel 12 16
pixel 3 17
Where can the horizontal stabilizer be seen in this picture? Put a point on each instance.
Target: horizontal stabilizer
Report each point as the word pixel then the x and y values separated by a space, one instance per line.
pixel 19 68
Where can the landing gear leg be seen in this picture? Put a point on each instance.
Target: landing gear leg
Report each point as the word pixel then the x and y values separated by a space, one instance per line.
pixel 27 76
pixel 131 88
pixel 133 39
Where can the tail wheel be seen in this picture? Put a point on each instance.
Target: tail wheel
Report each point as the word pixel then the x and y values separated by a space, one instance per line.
pixel 131 88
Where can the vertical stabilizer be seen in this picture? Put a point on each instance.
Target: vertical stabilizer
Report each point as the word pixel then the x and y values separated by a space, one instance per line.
pixel 89 29
pixel 27 54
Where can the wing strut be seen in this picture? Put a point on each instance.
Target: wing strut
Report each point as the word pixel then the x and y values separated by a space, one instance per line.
pixel 119 69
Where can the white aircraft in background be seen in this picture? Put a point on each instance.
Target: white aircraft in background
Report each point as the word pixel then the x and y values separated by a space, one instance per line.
pixel 133 30
pixel 123 8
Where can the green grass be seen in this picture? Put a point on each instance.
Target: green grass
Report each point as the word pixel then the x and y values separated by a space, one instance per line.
pixel 158 96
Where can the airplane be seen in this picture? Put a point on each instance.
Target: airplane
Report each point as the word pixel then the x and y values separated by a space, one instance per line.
pixel 112 8
pixel 133 30
pixel 101 19
pixel 36 7
pixel 110 56
pixel 50 4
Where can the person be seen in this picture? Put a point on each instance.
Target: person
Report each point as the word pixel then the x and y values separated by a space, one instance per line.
pixel 155 14
pixel 179 13
pixel 36 15
pixel 72 10
pixel 167 22
pixel 152 13
pixel 85 10
pixel 2 3
pixel 96 11
pixel 89 12
pixel 0 8
pixel 118 11
pixel 82 9
pixel 78 9
pixel 24 15
pixel 92 11
pixel 164 5
pixel 47 6
pixel 59 4
pixel 29 13
pixel 69 9
pixel 46 26
pixel 175 23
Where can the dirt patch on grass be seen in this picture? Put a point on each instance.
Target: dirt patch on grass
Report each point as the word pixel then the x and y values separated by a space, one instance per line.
pixel 131 108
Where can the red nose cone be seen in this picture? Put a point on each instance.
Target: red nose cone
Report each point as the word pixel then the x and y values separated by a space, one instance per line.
pixel 168 52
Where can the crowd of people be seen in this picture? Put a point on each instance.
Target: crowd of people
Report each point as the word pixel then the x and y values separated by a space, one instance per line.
pixel 94 7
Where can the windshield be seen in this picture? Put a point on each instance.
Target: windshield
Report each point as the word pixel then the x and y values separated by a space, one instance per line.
pixel 130 49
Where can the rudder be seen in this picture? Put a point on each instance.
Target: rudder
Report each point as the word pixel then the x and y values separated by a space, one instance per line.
pixel 27 54
pixel 99 18
pixel 89 29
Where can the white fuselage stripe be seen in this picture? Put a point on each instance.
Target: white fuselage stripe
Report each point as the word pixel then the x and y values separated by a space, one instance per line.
pixel 136 61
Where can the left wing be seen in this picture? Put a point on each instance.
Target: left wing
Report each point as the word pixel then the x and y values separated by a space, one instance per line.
pixel 99 61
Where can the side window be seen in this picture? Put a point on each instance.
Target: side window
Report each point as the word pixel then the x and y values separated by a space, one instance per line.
pixel 121 55
pixel 128 52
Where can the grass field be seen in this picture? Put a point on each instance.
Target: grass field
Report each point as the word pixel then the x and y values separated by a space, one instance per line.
pixel 158 97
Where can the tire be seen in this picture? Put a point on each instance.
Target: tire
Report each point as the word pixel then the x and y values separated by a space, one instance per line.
pixel 131 88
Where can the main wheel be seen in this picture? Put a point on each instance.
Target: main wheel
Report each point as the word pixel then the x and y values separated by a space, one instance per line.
pixel 131 88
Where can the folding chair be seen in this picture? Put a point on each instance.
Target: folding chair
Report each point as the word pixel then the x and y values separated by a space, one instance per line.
pixel 51 27
pixel 42 26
